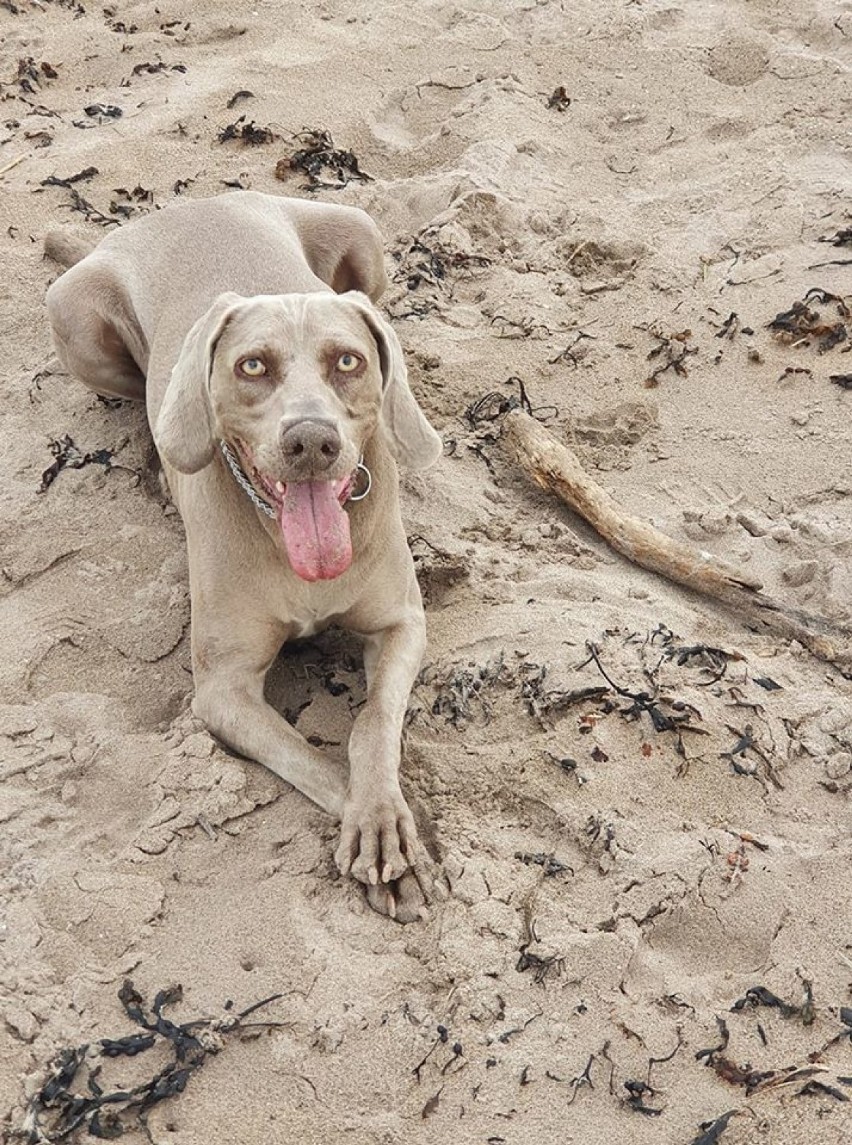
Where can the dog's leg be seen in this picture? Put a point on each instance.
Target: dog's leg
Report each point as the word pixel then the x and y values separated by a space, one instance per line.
pixel 229 699
pixel 378 838
pixel 95 331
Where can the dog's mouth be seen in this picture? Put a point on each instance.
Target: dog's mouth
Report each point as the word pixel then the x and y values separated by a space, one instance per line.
pixel 314 525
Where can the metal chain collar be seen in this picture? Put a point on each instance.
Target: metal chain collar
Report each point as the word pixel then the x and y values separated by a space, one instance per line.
pixel 264 506
pixel 244 482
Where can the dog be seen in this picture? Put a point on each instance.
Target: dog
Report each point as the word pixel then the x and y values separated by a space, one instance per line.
pixel 279 404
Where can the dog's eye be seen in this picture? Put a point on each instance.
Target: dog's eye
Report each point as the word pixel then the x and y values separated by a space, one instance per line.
pixel 253 367
pixel 346 363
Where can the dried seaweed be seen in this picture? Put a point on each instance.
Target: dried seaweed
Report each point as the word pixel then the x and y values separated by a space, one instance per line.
pixel 443 1036
pixel 672 350
pixel 842 380
pixel 169 28
pixel 30 74
pixel 713 1130
pixel 716 660
pixel 431 264
pixel 747 742
pixel 493 406
pixel 116 25
pixel 157 68
pixel 668 1057
pixel 59 1108
pixel 725 1035
pixel 542 966
pixel 523 327
pixel 246 132
pixel 760 996
pixel 767 683
pixel 503 1038
pixel 819 1087
pixel 568 355
pixel 128 203
pixel 488 408
pixel 542 703
pixel 559 100
pixel 674 716
pixel 843 237
pixel 103 110
pixel 557 701
pixel 564 763
pixel 463 693
pixel 81 177
pixel 727 1069
pixel 600 833
pixel 237 96
pixel 88 210
pixel 792 371
pixel 584 1078
pixel 801 323
pixel 66 455
pixel 128 1046
pixel 549 863
pixel 732 326
pixel 637 1092
pixel 327 167
pixel 735 1074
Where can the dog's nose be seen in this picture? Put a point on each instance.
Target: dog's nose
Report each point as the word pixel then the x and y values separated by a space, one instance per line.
pixel 312 445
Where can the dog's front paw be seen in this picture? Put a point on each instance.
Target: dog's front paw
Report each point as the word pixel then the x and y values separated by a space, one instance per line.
pixel 405 899
pixel 378 839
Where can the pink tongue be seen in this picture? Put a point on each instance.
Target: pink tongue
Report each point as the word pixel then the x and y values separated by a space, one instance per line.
pixel 315 528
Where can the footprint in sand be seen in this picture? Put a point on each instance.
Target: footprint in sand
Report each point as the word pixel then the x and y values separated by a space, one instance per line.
pixel 737 59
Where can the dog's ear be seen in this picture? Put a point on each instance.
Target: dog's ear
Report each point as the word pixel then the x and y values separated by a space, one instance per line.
pixel 342 245
pixel 414 442
pixel 184 430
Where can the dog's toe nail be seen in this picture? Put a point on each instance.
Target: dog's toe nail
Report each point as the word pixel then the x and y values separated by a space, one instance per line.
pixel 373 876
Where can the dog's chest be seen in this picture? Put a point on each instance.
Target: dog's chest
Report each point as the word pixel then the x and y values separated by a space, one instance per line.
pixel 301 628
pixel 309 608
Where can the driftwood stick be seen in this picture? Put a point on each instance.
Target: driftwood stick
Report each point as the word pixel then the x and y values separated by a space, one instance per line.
pixel 553 466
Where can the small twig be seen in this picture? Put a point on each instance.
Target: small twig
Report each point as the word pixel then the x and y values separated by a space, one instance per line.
pixel 15 162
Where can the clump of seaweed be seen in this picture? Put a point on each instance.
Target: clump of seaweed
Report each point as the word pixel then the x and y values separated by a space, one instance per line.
pixel 802 322
pixel 246 132
pixel 73 1097
pixel 327 167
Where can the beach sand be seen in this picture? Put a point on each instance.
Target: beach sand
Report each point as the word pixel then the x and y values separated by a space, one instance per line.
pixel 614 889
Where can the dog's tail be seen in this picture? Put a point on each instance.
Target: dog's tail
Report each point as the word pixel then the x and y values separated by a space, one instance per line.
pixel 65 248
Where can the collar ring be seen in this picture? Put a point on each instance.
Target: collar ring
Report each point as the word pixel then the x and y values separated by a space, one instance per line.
pixel 362 468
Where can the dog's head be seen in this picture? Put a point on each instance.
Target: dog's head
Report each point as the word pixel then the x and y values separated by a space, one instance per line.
pixel 296 385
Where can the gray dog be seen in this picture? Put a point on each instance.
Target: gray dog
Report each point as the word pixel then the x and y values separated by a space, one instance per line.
pixel 279 409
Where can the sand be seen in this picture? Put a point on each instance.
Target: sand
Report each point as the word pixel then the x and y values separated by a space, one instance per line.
pixel 613 890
